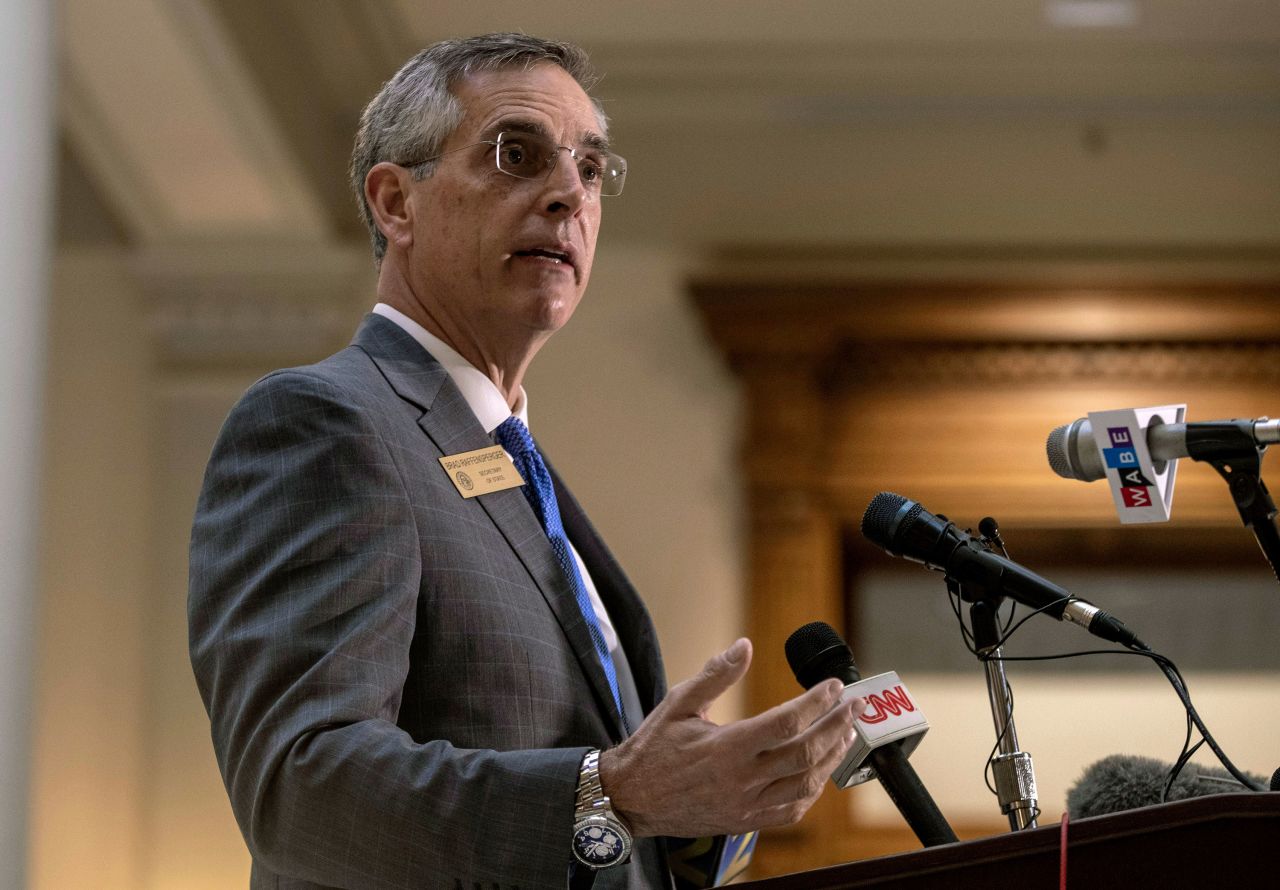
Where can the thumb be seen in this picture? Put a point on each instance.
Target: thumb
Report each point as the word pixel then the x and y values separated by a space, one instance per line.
pixel 695 695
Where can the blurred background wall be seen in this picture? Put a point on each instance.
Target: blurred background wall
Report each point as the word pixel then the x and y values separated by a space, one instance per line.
pixel 204 236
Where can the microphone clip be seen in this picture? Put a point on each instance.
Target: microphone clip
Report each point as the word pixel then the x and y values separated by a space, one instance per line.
pixel 987 540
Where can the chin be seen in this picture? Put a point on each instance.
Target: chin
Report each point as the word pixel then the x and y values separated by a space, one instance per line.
pixel 551 312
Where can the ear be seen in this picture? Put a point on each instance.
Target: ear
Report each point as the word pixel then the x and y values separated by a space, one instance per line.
pixel 386 188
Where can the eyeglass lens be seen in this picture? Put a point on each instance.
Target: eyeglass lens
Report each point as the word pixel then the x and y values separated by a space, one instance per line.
pixel 530 156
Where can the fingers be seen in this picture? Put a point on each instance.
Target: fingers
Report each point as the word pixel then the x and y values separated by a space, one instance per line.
pixel 785 800
pixel 695 695
pixel 790 719
pixel 800 766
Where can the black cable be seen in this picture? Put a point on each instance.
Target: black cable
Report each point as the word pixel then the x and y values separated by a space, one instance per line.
pixel 1174 676
pixel 1013 610
pixel 970 644
pixel 1165 664
pixel 1170 671
pixel 986 770
pixel 990 765
pixel 1183 759
pixel 953 590
pixel 1184 755
pixel 968 634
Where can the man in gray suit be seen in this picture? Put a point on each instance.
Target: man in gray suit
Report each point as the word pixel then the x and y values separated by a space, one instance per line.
pixel 413 686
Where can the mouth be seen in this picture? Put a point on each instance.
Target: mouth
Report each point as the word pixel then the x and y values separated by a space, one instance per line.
pixel 560 255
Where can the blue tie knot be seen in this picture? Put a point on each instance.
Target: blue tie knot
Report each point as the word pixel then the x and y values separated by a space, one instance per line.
pixel 514 436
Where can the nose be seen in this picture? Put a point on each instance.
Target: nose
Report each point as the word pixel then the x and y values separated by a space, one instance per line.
pixel 562 191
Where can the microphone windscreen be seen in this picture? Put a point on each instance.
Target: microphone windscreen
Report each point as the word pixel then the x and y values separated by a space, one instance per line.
pixel 878 519
pixel 1056 449
pixel 817 652
pixel 1126 782
pixel 1275 781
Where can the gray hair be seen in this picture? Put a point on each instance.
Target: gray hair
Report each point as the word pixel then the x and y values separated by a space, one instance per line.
pixel 416 111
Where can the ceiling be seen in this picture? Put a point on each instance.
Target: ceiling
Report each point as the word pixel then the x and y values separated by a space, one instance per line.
pixel 745 121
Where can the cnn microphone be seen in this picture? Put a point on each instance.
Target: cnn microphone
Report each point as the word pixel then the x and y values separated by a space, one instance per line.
pixel 903 528
pixel 1074 454
pixel 1126 782
pixel 816 652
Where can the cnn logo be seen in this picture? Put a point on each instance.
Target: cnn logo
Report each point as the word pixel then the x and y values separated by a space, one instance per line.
pixel 889 702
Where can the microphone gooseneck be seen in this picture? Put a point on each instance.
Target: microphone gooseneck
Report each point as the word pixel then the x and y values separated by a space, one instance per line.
pixel 816 652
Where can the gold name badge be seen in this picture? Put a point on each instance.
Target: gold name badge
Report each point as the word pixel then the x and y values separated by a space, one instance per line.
pixel 482 471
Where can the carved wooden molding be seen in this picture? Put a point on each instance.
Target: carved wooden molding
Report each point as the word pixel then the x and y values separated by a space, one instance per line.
pixel 860 364
pixel 813 322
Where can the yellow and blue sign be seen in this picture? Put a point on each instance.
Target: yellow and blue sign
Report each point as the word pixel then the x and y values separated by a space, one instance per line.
pixel 702 862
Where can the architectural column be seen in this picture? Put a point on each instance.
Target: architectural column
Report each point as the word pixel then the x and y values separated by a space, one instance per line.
pixel 26 162
pixel 794 575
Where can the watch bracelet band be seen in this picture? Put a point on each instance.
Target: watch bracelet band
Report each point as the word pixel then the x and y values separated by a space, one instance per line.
pixel 590 793
pixel 590 797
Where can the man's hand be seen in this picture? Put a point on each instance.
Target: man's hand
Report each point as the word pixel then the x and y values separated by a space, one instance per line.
pixel 680 774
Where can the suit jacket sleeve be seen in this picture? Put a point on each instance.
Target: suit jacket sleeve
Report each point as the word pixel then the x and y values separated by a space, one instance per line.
pixel 305 574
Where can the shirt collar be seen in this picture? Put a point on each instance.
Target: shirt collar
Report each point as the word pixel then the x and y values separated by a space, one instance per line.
pixel 481 394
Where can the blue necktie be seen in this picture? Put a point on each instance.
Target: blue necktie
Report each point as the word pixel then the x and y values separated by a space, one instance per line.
pixel 514 437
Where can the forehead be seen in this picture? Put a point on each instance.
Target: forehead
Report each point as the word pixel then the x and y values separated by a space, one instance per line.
pixel 544 96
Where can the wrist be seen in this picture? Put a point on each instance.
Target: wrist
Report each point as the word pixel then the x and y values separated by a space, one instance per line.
pixel 614 773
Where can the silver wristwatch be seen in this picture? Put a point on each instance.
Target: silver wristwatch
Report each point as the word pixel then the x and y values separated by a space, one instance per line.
pixel 600 837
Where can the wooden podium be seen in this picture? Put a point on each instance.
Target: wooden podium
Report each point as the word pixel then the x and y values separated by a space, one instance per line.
pixel 1225 840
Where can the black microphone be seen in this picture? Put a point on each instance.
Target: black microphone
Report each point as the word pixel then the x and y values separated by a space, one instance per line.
pixel 904 528
pixel 1126 782
pixel 816 652
pixel 1073 453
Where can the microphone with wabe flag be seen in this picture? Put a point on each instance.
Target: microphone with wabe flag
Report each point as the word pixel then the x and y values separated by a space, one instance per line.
pixel 1114 444
pixel 1137 451
pixel 886 733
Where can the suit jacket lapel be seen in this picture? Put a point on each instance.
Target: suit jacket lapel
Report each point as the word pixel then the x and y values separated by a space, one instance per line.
pixel 451 425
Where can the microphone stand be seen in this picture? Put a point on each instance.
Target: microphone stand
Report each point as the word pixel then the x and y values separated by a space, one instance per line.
pixel 1013 770
pixel 1242 469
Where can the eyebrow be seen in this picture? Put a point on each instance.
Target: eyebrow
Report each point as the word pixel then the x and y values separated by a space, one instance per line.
pixel 590 140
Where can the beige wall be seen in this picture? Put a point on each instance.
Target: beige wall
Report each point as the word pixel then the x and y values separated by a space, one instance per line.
pixel 192 839
pixel 90 778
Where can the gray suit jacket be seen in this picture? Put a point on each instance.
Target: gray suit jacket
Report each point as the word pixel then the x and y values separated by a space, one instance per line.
pixel 400 685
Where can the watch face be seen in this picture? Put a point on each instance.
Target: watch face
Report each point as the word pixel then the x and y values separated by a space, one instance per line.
pixel 600 842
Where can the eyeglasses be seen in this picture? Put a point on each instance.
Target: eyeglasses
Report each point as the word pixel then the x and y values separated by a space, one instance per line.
pixel 531 156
